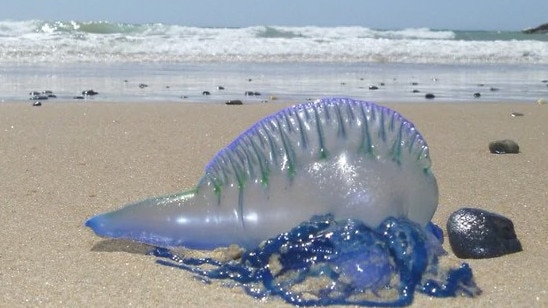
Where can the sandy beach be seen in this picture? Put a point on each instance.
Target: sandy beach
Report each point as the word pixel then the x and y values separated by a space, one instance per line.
pixel 64 162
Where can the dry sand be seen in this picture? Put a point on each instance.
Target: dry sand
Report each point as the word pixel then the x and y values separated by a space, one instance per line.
pixel 64 162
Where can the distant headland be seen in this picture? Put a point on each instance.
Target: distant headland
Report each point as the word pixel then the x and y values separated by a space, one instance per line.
pixel 537 30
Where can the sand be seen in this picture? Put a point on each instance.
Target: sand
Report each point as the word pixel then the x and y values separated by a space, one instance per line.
pixel 64 162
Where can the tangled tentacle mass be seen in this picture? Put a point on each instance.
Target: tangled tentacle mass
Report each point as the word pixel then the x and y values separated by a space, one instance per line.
pixel 324 262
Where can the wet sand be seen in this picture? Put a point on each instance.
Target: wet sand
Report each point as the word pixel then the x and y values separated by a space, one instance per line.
pixel 64 162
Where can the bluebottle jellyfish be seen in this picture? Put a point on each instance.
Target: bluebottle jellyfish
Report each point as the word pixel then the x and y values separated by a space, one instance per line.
pixel 338 193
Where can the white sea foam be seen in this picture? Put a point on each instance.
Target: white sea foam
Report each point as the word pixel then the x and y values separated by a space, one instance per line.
pixel 103 42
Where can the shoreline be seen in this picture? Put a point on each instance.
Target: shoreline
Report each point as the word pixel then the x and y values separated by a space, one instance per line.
pixel 187 81
pixel 64 162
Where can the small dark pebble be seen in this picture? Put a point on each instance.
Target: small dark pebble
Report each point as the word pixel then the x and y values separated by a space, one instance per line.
pixel 220 88
pixel 206 93
pixel 414 83
pixel 415 91
pixel 505 146
pixel 89 92
pixel 78 97
pixel 252 93
pixel 545 81
pixel 429 96
pixel 52 96
pixel 143 85
pixel 234 102
pixel 37 104
pixel 47 92
pixel 373 88
pixel 38 97
pixel 477 95
pixel 381 84
pixel 517 114
pixel 34 93
pixel 481 85
pixel 478 234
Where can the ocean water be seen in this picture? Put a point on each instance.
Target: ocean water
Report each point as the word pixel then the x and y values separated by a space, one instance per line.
pixel 179 63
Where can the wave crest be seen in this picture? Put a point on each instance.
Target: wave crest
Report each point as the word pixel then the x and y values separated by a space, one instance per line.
pixel 102 41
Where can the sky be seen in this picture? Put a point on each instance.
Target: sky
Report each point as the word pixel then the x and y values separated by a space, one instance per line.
pixel 378 14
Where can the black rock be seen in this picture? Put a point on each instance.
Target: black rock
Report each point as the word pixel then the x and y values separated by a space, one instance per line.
pixel 220 88
pixel 415 91
pixel 206 93
pixel 493 89
pixel 477 95
pixel 78 97
pixel 249 93
pixel 478 234
pixel 373 88
pixel 143 85
pixel 37 104
pixel 414 83
pixel 505 146
pixel 517 114
pixel 234 102
pixel 52 96
pixel 429 96
pixel 34 93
